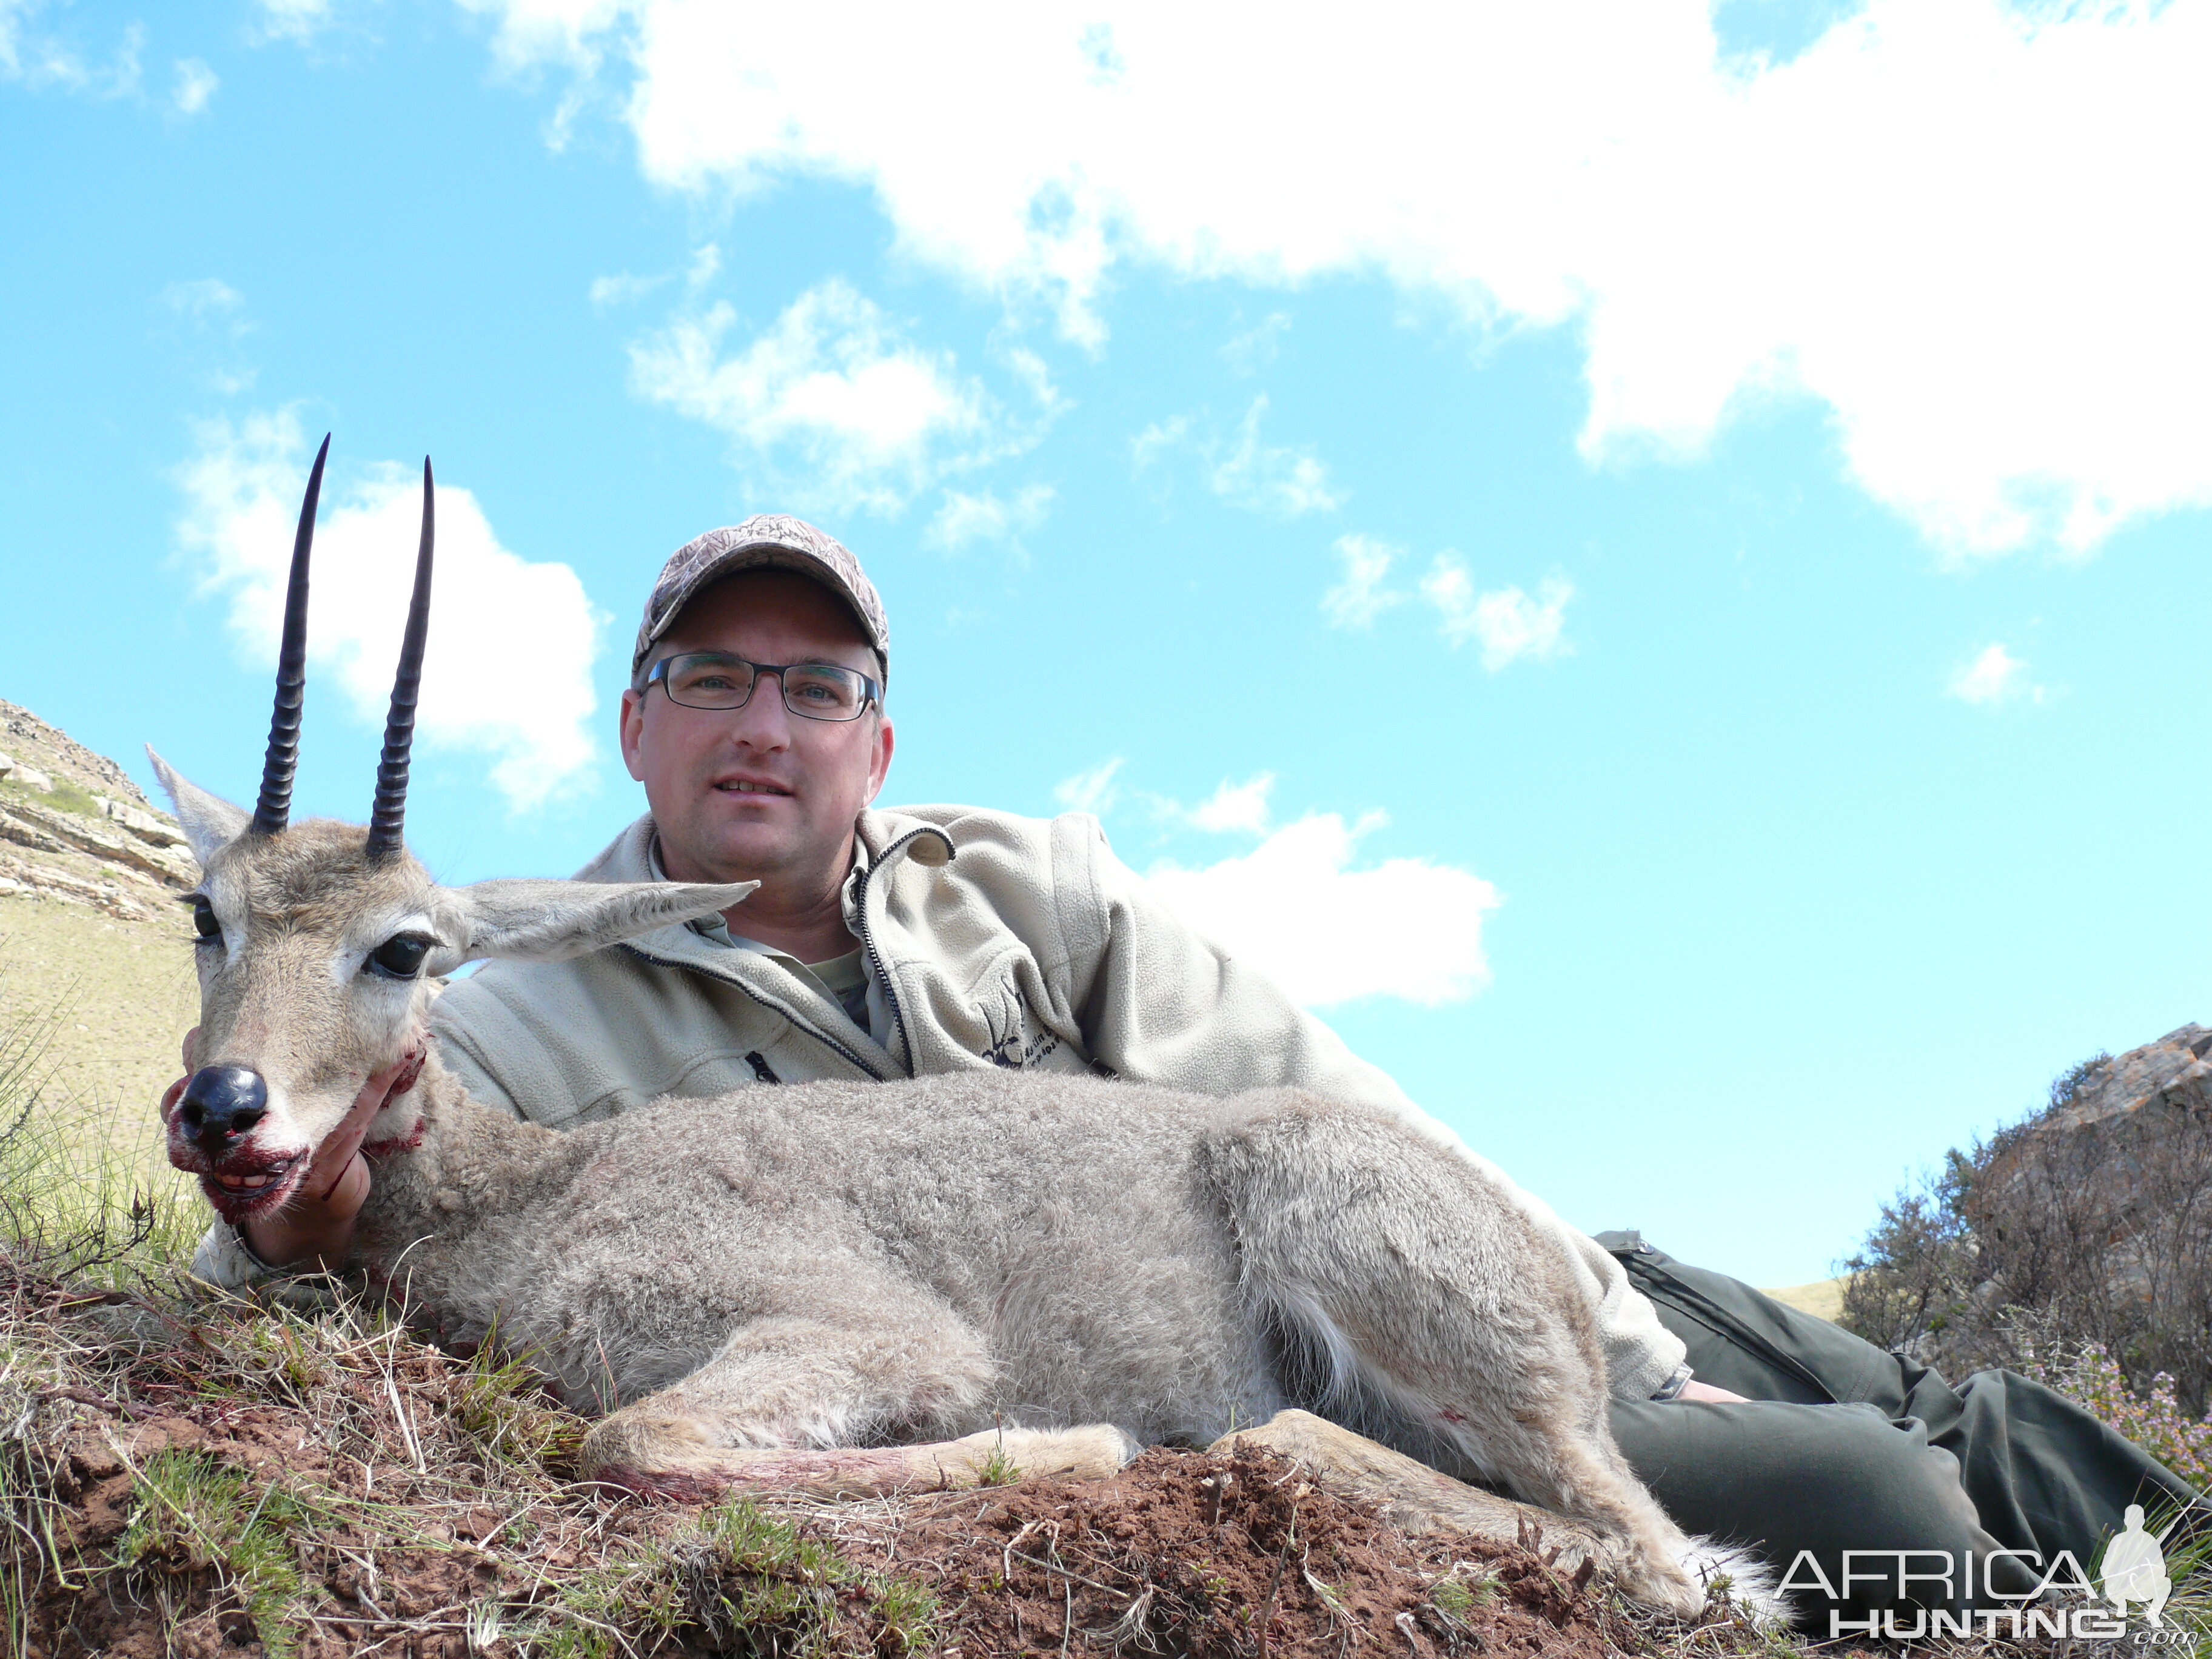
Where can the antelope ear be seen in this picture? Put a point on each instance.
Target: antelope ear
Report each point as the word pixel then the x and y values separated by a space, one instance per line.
pixel 554 921
pixel 211 824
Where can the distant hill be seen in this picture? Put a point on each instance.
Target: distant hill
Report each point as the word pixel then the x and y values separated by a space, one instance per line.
pixel 92 942
pixel 1823 1297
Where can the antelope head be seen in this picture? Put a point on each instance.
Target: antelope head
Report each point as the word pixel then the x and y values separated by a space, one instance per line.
pixel 317 943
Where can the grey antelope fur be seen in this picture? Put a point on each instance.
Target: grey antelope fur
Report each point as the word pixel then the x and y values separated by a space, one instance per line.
pixel 850 1287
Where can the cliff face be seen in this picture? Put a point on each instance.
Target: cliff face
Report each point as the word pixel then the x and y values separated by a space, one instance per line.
pixel 74 827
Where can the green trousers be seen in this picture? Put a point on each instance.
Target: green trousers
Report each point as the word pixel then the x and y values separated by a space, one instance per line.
pixel 1841 1448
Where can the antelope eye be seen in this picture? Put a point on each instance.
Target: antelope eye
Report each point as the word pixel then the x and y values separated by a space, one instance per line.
pixel 399 958
pixel 203 922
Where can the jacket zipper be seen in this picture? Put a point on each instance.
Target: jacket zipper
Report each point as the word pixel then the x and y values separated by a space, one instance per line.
pixel 868 939
pixel 821 1036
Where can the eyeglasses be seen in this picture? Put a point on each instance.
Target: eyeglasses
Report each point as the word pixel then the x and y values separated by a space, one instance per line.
pixel 813 690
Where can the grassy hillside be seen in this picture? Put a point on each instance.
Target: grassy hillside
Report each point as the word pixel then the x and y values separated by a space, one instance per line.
pixel 114 998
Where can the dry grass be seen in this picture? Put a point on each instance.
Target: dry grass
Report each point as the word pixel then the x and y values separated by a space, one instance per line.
pixel 115 998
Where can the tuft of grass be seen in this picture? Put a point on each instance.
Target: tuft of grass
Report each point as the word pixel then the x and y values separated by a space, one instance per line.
pixel 999 1468
pixel 740 1580
pixel 189 1514
pixel 71 799
pixel 500 1404
pixel 79 1205
pixel 1464 1589
pixel 64 796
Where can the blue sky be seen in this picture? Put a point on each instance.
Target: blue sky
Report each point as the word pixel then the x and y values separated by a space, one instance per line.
pixel 1649 560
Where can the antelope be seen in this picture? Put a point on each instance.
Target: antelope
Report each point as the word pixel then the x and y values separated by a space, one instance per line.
pixel 861 1287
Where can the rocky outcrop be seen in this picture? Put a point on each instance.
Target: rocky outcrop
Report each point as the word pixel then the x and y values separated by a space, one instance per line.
pixel 2109 1122
pixel 31 741
pixel 74 827
pixel 2168 1078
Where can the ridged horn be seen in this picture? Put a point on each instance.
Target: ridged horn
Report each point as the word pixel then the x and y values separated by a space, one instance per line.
pixel 273 809
pixel 390 812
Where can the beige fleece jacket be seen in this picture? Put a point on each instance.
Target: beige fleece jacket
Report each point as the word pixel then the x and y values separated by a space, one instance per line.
pixel 999 940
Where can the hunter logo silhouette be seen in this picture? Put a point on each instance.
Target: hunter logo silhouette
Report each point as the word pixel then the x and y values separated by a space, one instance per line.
pixel 2134 1568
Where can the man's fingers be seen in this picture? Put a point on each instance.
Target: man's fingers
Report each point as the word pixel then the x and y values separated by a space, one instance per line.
pixel 337 1155
pixel 170 1095
pixel 192 1042
pixel 1694 1389
pixel 353 1160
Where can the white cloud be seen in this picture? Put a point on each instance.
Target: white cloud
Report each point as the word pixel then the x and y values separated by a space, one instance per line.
pixel 1094 791
pixel 212 325
pixel 196 83
pixel 1963 226
pixel 298 21
pixel 1156 439
pixel 1267 479
pixel 493 610
pixel 1037 379
pixel 1260 477
pixel 965 519
pixel 622 288
pixel 1250 349
pixel 39 59
pixel 1236 806
pixel 1995 677
pixel 1298 909
pixel 1360 597
pixel 832 389
pixel 204 299
pixel 1509 623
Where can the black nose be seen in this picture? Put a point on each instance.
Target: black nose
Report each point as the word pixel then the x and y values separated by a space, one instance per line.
pixel 221 1106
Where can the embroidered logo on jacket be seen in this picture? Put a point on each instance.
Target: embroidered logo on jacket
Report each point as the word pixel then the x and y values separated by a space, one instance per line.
pixel 1018 1041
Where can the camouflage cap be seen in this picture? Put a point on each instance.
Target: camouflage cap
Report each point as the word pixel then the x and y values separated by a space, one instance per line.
pixel 767 541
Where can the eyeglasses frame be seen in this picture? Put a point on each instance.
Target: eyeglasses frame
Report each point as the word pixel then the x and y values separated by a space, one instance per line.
pixel 872 689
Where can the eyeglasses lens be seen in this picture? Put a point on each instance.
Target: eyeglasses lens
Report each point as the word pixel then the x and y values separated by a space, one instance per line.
pixel 820 692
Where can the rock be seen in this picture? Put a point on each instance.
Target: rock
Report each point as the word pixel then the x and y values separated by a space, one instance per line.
pixel 15 772
pixel 2170 1076
pixel 143 824
pixel 71 830
pixel 1414 1497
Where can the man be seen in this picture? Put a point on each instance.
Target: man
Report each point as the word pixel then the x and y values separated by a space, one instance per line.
pixel 886 943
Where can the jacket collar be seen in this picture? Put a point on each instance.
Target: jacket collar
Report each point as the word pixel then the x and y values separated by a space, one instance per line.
pixel 880 835
pixel 880 839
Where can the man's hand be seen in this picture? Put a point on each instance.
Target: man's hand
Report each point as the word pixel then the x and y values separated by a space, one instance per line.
pixel 319 1221
pixel 1692 1389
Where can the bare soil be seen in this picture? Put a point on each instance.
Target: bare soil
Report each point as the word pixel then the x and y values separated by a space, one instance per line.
pixel 1225 1558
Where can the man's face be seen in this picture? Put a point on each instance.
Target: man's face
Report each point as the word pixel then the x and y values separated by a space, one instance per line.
pixel 757 792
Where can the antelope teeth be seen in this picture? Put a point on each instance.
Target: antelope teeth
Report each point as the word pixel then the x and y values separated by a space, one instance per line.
pixel 256 1182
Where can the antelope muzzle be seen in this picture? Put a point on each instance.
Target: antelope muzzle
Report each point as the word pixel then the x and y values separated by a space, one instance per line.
pixel 211 1134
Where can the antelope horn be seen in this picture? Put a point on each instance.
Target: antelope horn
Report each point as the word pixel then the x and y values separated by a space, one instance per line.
pixel 385 817
pixel 273 809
